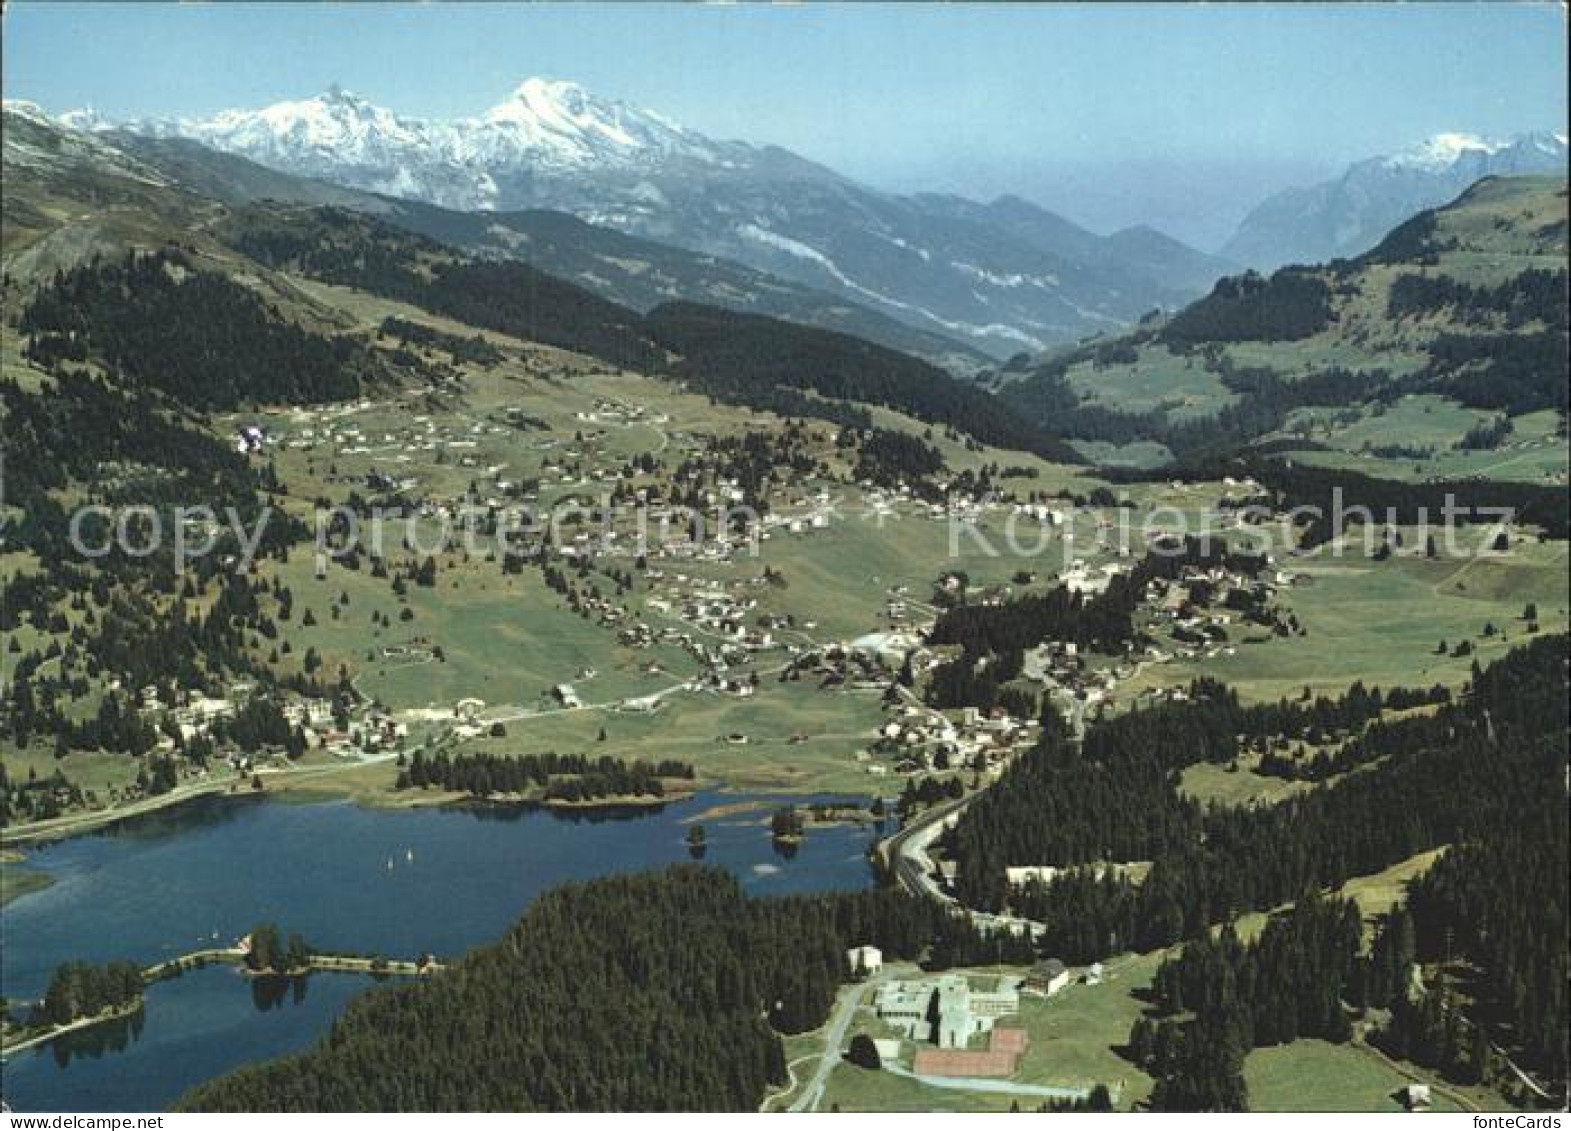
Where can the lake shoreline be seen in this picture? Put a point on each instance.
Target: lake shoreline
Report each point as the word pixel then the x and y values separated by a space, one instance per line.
pixel 225 956
pixel 439 878
pixel 18 880
pixel 82 824
pixel 58 829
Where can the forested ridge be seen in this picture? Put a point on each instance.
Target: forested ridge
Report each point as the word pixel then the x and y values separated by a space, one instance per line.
pixel 95 439
pixel 509 296
pixel 157 321
pixel 1293 303
pixel 1467 978
pixel 664 991
pixel 1115 797
pixel 1517 372
pixel 115 446
pixel 1320 493
pixel 1536 295
pixel 765 363
pixel 1330 490
pixel 1263 402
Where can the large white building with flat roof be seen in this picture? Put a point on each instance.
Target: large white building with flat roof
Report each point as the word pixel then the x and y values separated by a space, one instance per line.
pixel 945 1010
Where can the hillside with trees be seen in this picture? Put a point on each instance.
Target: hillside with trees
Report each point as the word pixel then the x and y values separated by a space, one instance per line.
pixel 1484 775
pixel 765 363
pixel 1466 302
pixel 510 297
pixel 657 992
pixel 155 321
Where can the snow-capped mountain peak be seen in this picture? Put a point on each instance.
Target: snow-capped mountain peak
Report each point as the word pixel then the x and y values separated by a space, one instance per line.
pixel 995 278
pixel 540 104
pixel 25 109
pixel 561 106
pixel 1444 149
pixel 312 134
pixel 85 119
pixel 332 120
pixel 543 126
pixel 560 124
pixel 1351 213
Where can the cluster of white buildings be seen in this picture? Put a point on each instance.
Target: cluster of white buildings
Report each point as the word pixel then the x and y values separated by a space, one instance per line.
pixel 945 1010
pixel 1088 580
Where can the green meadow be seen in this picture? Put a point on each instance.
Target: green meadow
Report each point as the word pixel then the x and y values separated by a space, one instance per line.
pixel 1159 380
pixel 1382 622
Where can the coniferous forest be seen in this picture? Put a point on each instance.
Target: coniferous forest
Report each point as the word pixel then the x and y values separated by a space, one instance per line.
pixel 508 297
pixel 138 313
pixel 586 778
pixel 526 474
pixel 665 991
pixel 1288 305
pixel 765 363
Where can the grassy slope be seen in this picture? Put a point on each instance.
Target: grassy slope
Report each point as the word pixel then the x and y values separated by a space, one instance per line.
pixel 1380 622
pixel 1076 1034
pixel 1499 231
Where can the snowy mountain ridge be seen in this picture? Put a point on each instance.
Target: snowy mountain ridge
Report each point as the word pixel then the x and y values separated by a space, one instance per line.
pixel 544 125
pixel 1349 214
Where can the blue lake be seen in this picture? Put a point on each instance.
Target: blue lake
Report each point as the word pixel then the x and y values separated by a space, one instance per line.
pixel 367 881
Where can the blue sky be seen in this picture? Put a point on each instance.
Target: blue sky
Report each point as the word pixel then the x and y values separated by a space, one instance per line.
pixel 1182 115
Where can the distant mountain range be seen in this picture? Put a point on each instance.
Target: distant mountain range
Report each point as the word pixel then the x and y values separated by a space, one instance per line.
pixel 630 271
pixel 1349 215
pixel 762 229
pixel 1001 277
pixel 131 232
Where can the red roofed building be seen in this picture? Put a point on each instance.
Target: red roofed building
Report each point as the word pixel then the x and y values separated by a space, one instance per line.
pixel 999 1059
pixel 1009 1040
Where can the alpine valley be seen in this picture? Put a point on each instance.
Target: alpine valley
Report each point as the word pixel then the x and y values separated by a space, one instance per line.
pixel 551 611
pixel 997 278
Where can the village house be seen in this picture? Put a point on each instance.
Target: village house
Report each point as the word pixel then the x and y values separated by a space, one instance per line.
pixel 997 1061
pixel 865 960
pixel 1047 977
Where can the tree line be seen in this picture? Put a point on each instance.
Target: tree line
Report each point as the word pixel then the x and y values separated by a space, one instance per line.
pixel 655 992
pixel 1290 304
pixel 158 321
pixel 1536 295
pixel 509 297
pixel 80 989
pixel 567 777
pixel 752 360
pixel 1324 492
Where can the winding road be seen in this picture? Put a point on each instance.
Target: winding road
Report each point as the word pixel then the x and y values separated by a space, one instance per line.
pixel 834 1041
